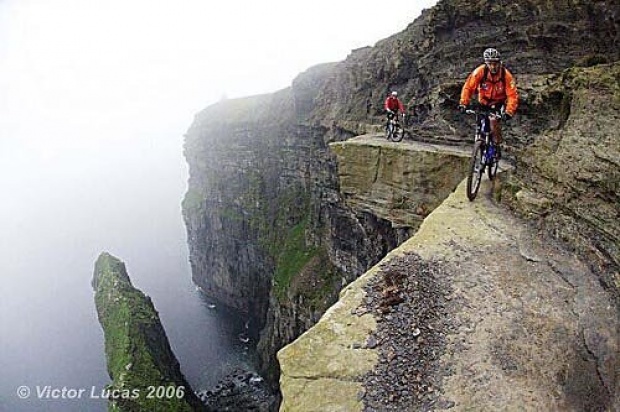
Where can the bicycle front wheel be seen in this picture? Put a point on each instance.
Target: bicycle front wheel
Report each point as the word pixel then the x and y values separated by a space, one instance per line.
pixel 476 170
pixel 398 133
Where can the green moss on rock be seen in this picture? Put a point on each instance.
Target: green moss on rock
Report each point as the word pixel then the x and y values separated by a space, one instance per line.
pixel 192 201
pixel 139 357
pixel 295 255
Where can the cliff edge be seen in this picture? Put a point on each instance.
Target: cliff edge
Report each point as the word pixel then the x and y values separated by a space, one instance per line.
pixel 146 375
pixel 484 308
pixel 477 311
pixel 277 223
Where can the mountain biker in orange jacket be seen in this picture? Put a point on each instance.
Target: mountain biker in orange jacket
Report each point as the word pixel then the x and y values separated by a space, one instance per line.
pixel 496 88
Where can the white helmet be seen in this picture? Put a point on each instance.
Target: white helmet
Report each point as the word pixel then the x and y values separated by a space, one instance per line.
pixel 491 55
pixel 394 93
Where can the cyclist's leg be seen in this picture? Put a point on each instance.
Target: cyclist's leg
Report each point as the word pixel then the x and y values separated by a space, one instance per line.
pixel 484 120
pixel 387 125
pixel 498 135
pixel 496 131
pixel 497 140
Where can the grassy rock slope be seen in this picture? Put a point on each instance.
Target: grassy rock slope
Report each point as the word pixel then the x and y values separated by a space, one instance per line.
pixel 139 357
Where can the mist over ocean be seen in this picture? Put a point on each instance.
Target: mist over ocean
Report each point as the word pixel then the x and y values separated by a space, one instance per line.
pixel 61 207
pixel 94 100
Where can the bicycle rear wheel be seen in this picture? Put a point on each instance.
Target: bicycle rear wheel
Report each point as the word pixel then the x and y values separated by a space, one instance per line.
pixel 476 170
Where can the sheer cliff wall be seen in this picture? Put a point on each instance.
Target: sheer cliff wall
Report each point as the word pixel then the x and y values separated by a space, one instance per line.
pixel 267 229
pixel 273 227
pixel 567 180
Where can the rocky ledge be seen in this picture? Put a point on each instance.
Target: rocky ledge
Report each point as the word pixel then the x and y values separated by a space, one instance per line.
pixel 399 182
pixel 139 357
pixel 477 311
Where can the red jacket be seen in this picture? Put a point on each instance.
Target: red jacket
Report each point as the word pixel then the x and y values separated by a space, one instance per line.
pixel 393 104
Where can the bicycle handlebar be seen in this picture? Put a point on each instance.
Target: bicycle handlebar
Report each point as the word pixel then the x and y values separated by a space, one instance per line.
pixel 397 114
pixel 490 114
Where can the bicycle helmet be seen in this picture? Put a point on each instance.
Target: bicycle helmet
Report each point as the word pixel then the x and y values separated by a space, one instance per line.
pixel 491 55
pixel 394 93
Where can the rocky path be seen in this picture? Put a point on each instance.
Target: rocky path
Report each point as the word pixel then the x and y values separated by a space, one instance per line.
pixel 379 138
pixel 533 329
pixel 484 315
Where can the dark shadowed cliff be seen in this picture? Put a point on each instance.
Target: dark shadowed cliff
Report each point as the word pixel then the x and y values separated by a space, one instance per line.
pixel 278 221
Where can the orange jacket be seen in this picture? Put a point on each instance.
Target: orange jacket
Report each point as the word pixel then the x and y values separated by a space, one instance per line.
pixel 492 90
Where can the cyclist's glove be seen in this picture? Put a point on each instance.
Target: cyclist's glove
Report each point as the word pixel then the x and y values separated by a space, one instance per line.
pixel 462 108
pixel 506 117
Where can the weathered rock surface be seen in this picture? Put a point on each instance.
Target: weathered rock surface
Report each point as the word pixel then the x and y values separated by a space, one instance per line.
pixel 429 60
pixel 327 361
pixel 137 350
pixel 399 182
pixel 515 322
pixel 568 179
pixel 276 228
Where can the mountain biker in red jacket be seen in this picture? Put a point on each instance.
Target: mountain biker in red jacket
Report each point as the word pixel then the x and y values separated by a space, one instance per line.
pixel 393 105
pixel 496 88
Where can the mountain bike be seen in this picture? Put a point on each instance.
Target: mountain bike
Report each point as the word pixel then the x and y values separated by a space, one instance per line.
pixel 393 129
pixel 485 154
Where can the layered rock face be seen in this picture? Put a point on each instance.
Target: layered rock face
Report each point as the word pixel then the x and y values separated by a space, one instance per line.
pixel 278 221
pixel 139 358
pixel 240 171
pixel 266 222
pixel 429 60
pixel 568 179
pixel 257 184
pixel 400 183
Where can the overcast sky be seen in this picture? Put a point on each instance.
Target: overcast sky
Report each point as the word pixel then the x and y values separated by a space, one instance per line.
pixel 105 89
pixel 95 96
pixel 77 72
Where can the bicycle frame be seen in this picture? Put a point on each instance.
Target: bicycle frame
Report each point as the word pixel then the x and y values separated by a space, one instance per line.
pixel 483 133
pixel 484 153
